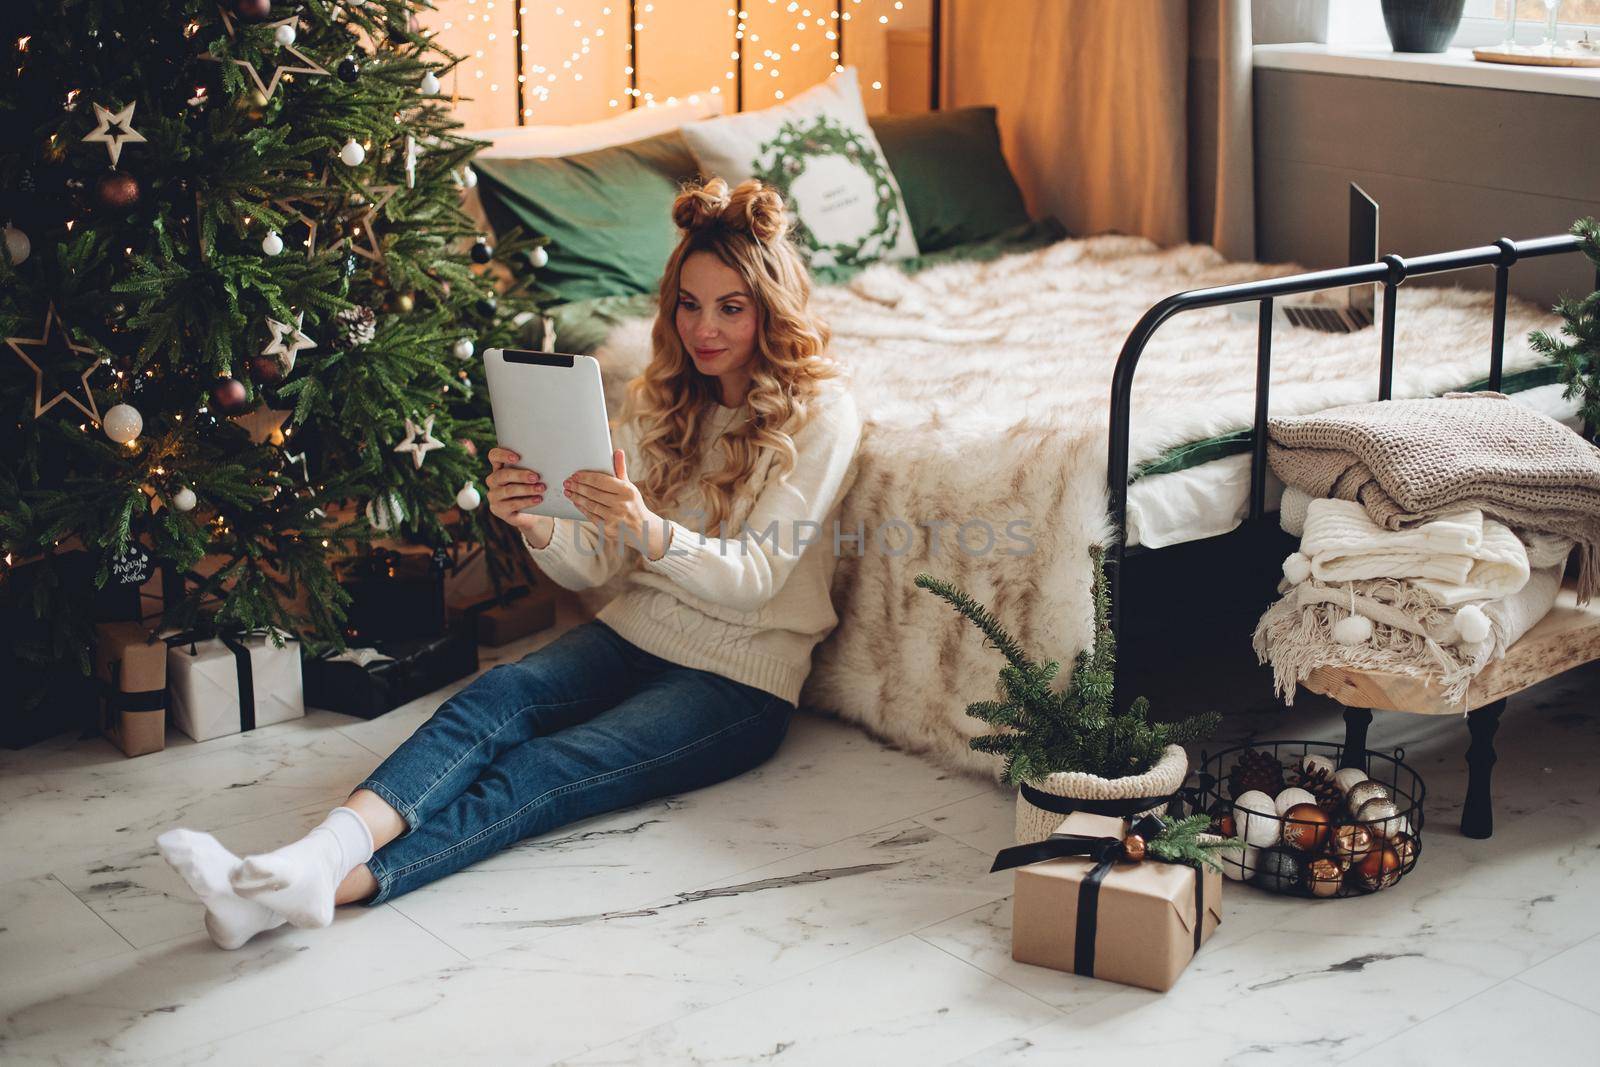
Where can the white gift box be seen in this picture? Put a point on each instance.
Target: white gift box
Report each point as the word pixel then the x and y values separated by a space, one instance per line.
pixel 206 681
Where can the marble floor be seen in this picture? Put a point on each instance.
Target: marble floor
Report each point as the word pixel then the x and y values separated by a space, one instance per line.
pixel 832 906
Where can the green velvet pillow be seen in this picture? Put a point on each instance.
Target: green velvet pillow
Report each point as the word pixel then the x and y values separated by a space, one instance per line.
pixel 608 213
pixel 955 182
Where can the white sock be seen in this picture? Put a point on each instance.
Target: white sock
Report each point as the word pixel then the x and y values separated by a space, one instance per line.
pixel 299 879
pixel 205 864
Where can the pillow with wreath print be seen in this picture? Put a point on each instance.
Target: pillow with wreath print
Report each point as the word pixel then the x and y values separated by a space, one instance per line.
pixel 845 207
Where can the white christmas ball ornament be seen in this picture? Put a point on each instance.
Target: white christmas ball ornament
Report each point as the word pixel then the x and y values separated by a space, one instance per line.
pixel 352 153
pixel 1472 624
pixel 468 498
pixel 1296 568
pixel 1254 815
pixel 469 177
pixel 463 348
pixel 1290 797
pixel 18 247
pixel 1311 763
pixel 123 423
pixel 1353 630
pixel 184 499
pixel 538 256
pixel 284 34
pixel 1236 862
pixel 272 244
pixel 430 84
pixel 1346 777
pixel 382 514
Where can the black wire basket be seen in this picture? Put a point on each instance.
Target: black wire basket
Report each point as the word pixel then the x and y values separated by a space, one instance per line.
pixel 1346 843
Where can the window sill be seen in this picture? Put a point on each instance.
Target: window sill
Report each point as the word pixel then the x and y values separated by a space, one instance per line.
pixel 1455 67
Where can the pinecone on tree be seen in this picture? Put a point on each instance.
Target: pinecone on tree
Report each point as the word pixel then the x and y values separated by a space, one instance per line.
pixel 1256 769
pixel 357 326
pixel 1320 784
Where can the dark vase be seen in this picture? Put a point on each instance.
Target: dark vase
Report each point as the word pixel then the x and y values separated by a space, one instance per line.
pixel 1421 25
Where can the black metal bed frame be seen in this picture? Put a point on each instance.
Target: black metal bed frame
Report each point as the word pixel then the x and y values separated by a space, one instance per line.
pixel 1391 271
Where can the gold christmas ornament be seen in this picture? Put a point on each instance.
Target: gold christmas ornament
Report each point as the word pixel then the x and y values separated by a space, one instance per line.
pixel 405 303
pixel 1324 876
pixel 1305 827
pixel 1405 846
pixel 1350 842
pixel 1382 816
pixel 1362 792
pixel 1133 847
pixel 1379 869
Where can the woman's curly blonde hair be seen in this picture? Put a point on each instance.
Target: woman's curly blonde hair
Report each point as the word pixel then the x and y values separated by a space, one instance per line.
pixel 745 228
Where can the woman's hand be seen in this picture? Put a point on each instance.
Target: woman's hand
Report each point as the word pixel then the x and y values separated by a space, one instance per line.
pixel 513 488
pixel 613 503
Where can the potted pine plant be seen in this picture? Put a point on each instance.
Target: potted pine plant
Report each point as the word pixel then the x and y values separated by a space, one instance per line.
pixel 1072 743
pixel 1576 350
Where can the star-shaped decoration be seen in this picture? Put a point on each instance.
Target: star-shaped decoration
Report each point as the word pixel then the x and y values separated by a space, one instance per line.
pixel 292 208
pixel 123 121
pixel 366 242
pixel 51 321
pixel 419 448
pixel 263 424
pixel 300 458
pixel 287 341
pixel 413 153
pixel 270 86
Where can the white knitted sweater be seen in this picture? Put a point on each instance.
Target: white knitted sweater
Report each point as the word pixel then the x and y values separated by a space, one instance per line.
pixel 749 608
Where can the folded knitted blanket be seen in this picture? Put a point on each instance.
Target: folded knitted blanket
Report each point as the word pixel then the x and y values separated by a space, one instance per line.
pixel 1458 558
pixel 1412 634
pixel 1409 461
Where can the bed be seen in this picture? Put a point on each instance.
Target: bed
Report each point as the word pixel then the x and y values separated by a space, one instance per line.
pixel 984 385
pixel 983 371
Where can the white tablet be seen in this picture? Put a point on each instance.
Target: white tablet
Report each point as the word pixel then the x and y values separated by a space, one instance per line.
pixel 550 409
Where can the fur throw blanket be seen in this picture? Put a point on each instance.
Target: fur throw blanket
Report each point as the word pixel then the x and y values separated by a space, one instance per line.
pixel 983 388
pixel 1409 461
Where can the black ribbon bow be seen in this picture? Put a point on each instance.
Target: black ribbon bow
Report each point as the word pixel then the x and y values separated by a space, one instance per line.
pixel 1105 852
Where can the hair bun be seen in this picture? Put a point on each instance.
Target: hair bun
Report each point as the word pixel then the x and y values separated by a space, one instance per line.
pixel 751 207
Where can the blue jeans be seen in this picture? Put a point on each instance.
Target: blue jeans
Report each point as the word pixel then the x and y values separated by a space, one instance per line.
pixel 587 724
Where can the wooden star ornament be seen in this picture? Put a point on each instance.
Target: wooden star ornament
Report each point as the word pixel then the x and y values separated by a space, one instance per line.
pixel 270 86
pixel 287 341
pixel 52 321
pixel 418 448
pixel 123 121
pixel 366 243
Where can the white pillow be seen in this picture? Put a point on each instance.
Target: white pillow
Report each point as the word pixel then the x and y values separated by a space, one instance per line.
pixel 819 151
pixel 544 142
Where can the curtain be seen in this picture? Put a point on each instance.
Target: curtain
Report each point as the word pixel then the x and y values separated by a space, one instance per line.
pixel 1127 116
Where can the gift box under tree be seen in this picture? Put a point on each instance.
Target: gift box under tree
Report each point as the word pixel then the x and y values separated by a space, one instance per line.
pixel 232 684
pixel 131 666
pixel 396 596
pixel 367 682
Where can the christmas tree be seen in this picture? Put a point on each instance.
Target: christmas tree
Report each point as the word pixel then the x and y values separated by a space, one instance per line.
pixel 1578 357
pixel 1076 729
pixel 240 302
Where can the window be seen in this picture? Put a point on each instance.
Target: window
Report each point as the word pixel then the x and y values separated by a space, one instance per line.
pixel 1359 23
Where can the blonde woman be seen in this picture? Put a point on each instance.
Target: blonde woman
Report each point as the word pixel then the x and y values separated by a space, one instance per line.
pixel 737 444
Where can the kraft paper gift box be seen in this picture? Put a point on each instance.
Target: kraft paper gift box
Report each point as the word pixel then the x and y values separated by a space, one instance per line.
pixel 131 667
pixel 501 620
pixel 1140 926
pixel 230 684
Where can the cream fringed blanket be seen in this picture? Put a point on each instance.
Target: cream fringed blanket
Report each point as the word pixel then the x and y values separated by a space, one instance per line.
pixel 983 387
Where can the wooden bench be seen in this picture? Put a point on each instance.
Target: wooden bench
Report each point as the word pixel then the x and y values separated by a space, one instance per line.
pixel 1568 637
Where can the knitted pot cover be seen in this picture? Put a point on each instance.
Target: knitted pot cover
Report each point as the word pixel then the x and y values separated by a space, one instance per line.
pixel 1036 824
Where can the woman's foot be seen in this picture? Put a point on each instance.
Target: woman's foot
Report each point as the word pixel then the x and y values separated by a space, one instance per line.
pixel 301 879
pixel 205 865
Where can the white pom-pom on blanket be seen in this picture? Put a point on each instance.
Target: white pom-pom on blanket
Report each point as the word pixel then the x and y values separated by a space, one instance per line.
pixel 1472 624
pixel 1296 568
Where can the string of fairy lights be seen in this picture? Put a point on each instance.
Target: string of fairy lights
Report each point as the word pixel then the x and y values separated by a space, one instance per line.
pixel 533 82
